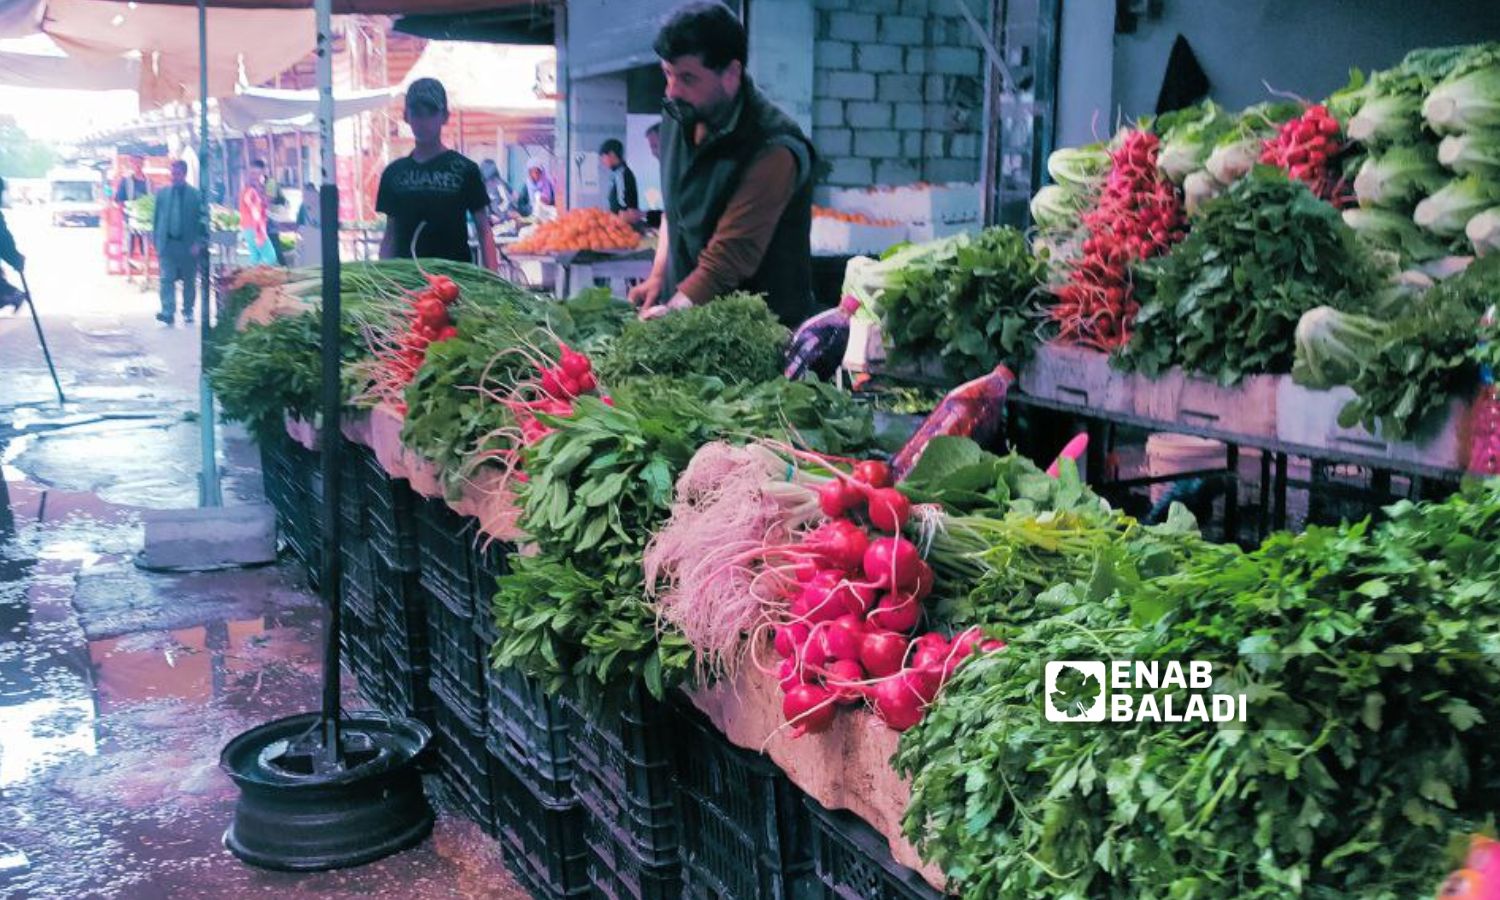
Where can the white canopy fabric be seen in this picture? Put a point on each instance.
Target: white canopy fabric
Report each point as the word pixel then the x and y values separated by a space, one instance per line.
pixel 245 46
pixel 264 106
pixel 494 78
pixel 30 70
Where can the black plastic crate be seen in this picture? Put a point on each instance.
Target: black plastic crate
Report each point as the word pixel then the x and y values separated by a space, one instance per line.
pixel 743 824
pixel 853 861
pixel 622 770
pixel 529 731
pixel 401 610
pixel 490 560
pixel 408 688
pixel 617 872
pixel 543 839
pixel 459 659
pixel 358 569
pixel 444 539
pixel 390 516
pixel 464 762
pixel 353 470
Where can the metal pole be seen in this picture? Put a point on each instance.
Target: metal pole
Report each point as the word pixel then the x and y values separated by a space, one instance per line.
pixel 208 475
pixel 332 437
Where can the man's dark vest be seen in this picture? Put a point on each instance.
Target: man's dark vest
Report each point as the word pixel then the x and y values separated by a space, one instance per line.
pixel 697 183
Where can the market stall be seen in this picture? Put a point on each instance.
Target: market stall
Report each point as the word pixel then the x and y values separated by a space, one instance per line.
pixel 742 610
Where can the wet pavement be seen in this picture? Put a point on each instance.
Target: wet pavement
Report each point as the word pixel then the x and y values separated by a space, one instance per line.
pixel 119 687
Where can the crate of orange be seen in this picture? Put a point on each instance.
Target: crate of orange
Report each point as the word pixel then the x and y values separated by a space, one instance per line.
pixel 577 230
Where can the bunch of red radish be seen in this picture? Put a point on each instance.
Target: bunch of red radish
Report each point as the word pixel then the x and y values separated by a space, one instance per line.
pixel 1138 216
pixel 427 323
pixel 848 634
pixel 558 386
pixel 1305 147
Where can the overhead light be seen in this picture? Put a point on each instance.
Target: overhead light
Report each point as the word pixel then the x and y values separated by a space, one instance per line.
pixel 118 20
pixel 131 4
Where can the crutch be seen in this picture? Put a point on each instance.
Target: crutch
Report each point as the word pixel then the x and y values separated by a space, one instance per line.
pixel 36 320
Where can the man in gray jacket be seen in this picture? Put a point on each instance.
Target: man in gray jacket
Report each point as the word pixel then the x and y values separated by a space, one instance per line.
pixel 178 230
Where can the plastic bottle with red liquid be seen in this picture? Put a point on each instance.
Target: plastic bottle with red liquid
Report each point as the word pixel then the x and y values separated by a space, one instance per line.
pixel 975 410
pixel 1484 434
pixel 818 344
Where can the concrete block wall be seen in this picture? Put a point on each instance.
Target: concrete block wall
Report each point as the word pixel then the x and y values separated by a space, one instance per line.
pixel 898 92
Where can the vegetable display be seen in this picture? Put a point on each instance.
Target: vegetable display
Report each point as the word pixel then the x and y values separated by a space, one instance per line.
pixel 1138 216
pixel 735 338
pixel 1227 301
pixel 971 304
pixel 1365 655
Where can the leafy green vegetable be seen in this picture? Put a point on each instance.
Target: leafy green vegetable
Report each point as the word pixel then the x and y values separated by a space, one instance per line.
pixel 1226 301
pixel 1399 176
pixel 1469 97
pixel 1081 168
pixel 1395 232
pixel 1424 357
pixel 973 305
pixel 1188 136
pixel 735 338
pixel 1447 211
pixel 1475 153
pixel 1333 346
pixel 1369 665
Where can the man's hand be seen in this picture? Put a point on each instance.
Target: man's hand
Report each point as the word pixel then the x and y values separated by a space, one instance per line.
pixel 646 293
pixel 678 302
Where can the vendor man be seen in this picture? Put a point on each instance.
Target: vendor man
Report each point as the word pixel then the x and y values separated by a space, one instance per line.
pixel 736 177
pixel 429 195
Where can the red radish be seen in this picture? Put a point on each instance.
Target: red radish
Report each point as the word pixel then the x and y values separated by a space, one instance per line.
pixel 806 570
pixel 844 677
pixel 831 499
pixel 931 654
pixel 841 542
pixel 922 589
pixel 892 562
pixel 845 636
pixel 790 637
pixel 825 598
pixel 552 383
pixel 575 363
pixel 448 334
pixel 812 653
pixel 587 383
pixel 444 288
pixel 873 472
pixel 888 509
pixel 924 683
pixel 896 612
pixel 897 704
pixel 808 708
pixel 883 653
pixel 789 675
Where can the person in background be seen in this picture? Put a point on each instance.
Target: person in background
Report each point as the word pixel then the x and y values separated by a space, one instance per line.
pixel 737 177
pixel 497 190
pixel 178 232
pixel 536 192
pixel 255 217
pixel 132 186
pixel 622 190
pixel 653 139
pixel 275 209
pixel 10 295
pixel 309 231
pixel 427 195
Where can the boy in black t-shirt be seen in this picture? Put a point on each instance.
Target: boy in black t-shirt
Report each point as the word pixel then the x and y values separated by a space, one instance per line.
pixel 427 195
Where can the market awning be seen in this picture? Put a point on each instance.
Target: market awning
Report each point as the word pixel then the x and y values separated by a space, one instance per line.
pixel 30 70
pixel 267 107
pixel 494 78
pixel 249 47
